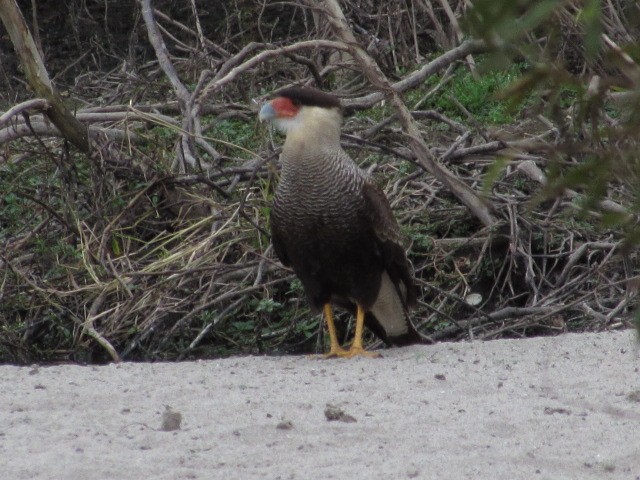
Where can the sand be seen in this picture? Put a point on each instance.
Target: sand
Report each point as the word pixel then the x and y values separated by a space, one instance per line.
pixel 566 407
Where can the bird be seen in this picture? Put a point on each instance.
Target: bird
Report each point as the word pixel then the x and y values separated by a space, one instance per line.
pixel 335 227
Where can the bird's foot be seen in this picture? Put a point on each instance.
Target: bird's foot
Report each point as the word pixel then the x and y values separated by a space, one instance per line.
pixel 361 352
pixel 352 352
pixel 335 352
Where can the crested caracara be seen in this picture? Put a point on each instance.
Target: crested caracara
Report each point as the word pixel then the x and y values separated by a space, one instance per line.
pixel 335 227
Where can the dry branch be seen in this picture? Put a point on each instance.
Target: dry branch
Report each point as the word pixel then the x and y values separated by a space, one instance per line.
pixel 185 149
pixel 42 129
pixel 155 38
pixel 116 255
pixel 36 104
pixel 227 75
pixel 477 205
pixel 419 76
pixel 38 77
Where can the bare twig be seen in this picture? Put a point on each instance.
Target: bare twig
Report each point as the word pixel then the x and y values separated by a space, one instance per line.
pixel 419 76
pixel 479 207
pixel 37 104
pixel 221 80
pixel 38 77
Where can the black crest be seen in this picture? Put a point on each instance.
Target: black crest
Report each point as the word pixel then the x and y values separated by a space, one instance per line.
pixel 310 97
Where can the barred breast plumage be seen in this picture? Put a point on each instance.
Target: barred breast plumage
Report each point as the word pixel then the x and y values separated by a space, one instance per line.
pixel 333 226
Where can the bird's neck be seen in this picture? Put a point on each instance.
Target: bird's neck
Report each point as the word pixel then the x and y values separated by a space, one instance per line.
pixel 316 130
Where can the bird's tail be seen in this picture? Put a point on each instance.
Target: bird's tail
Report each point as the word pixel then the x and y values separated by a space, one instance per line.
pixel 389 315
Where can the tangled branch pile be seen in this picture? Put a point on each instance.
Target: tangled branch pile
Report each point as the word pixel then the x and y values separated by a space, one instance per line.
pixel 156 244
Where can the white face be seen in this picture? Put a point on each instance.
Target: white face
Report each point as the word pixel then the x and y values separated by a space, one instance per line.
pixel 282 113
pixel 286 125
pixel 307 121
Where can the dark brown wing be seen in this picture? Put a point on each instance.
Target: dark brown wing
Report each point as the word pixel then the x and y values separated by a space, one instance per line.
pixel 278 240
pixel 387 231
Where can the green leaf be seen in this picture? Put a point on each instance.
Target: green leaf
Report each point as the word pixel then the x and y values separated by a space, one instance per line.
pixel 590 16
pixel 614 219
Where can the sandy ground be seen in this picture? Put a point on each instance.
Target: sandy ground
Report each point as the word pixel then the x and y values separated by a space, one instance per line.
pixel 545 408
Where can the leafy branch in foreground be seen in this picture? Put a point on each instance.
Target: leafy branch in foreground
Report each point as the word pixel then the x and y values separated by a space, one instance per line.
pixel 582 59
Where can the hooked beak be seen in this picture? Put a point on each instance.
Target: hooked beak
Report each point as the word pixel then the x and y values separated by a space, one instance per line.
pixel 267 112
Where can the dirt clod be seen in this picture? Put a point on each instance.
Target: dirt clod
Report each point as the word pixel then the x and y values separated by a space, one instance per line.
pixel 336 414
pixel 171 420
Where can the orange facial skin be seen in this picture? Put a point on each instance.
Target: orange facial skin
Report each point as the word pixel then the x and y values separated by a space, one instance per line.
pixel 284 107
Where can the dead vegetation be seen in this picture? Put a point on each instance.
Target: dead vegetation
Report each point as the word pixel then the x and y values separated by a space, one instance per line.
pixel 156 246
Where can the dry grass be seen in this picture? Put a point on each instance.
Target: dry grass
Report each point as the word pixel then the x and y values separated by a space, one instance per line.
pixel 131 254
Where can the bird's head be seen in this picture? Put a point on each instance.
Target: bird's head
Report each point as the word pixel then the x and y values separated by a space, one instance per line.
pixel 301 107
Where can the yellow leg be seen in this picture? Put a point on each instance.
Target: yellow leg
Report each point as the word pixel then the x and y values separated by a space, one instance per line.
pixel 336 350
pixel 356 347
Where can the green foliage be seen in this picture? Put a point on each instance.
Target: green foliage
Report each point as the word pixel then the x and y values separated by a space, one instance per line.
pixel 376 114
pixel 235 137
pixel 482 95
pixel 295 287
pixel 506 22
pixel 268 305
pixel 591 17
pixel 405 168
pixel 113 234
pixel 421 236
pixel 598 142
pixel 479 96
